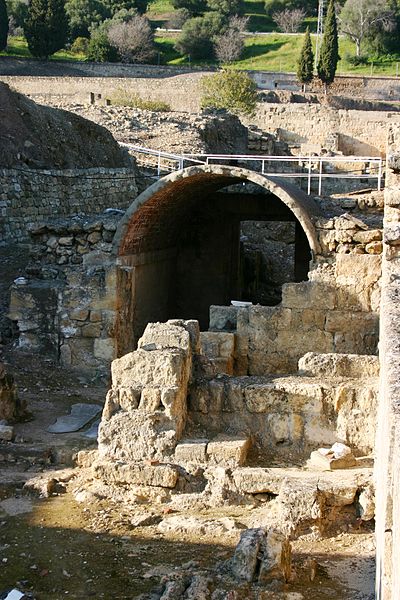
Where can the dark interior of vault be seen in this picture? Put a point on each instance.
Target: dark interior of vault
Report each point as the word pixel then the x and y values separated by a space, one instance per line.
pixel 200 254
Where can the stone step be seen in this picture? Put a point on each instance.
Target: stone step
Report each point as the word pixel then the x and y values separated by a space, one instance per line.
pixel 289 413
pixel 222 450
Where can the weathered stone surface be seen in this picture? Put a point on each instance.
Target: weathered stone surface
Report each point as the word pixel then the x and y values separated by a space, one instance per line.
pixel 219 347
pixel 339 365
pixel 156 367
pixel 137 474
pixel 191 451
pixel 326 463
pixel 226 450
pixel 308 294
pixel 6 432
pixel 262 556
pixel 199 526
pixel 161 336
pixel 223 318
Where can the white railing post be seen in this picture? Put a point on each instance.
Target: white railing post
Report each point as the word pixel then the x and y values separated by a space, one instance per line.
pixel 309 177
pixel 159 164
pixel 320 177
pixel 380 175
pixel 263 166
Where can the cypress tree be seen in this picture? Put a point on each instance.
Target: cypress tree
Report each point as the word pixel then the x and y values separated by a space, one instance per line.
pixel 3 25
pixel 46 27
pixel 329 55
pixel 305 64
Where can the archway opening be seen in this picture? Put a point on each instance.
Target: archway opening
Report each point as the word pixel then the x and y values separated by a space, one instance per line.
pixel 180 246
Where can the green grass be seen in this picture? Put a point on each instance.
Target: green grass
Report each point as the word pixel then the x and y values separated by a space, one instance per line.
pixel 18 47
pixel 275 52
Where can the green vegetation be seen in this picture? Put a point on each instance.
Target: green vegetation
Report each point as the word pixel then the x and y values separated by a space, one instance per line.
pixel 305 65
pixel 46 27
pixel 231 90
pixel 3 24
pixel 329 55
pixel 123 97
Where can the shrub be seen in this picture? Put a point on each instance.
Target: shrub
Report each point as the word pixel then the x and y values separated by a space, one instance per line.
pixel 133 39
pixel 356 61
pixel 100 49
pixel 195 7
pixel 229 46
pixel 80 45
pixel 225 7
pixel 289 21
pixel 199 35
pixel 178 19
pixel 122 97
pixel 233 90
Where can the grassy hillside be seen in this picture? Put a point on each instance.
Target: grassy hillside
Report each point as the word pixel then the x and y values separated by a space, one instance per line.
pixel 279 52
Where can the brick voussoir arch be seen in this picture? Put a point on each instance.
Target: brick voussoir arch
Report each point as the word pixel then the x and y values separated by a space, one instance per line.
pixel 173 190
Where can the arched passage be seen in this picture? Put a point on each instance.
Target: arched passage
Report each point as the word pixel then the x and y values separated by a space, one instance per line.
pixel 177 247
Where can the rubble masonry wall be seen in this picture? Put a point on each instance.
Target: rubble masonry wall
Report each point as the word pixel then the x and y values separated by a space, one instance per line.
pixel 29 196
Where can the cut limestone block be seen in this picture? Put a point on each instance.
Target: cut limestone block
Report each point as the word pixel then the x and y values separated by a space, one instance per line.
pixel 191 451
pixel 219 347
pixel 228 451
pixel 328 462
pixel 314 364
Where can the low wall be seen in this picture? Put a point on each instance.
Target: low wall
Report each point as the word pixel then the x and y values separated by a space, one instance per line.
pixel 29 196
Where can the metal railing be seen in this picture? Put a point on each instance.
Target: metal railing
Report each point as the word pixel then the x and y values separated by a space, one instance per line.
pixel 300 167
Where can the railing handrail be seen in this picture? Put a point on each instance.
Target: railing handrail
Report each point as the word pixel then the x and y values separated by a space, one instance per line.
pixel 204 159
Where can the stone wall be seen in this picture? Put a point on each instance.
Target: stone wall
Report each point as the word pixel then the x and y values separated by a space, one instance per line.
pixel 310 127
pixel 29 196
pixel 336 311
pixel 387 469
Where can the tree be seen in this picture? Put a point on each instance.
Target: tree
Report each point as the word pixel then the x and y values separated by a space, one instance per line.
pixel 225 7
pixel 359 18
pixel 229 46
pixel 305 65
pixel 84 15
pixel 199 35
pixel 309 6
pixel 3 25
pixel 100 49
pixel 289 21
pixel 329 53
pixel 195 7
pixel 133 39
pixel 46 27
pixel 232 90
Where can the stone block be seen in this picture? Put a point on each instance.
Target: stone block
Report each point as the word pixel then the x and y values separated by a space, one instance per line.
pixel 79 314
pixel 313 364
pixel 326 463
pixel 191 451
pixel 308 294
pixel 161 336
pixel 365 237
pixel 104 349
pixel 128 398
pixel 6 433
pixel 223 318
pixel 91 330
pixel 229 451
pixel 159 368
pixel 150 399
pixel 374 248
pixel 165 476
pixel 264 398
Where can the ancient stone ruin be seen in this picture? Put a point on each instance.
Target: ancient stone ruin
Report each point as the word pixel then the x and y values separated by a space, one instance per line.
pixel 240 318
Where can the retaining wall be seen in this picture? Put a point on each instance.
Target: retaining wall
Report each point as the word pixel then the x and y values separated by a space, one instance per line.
pixel 29 196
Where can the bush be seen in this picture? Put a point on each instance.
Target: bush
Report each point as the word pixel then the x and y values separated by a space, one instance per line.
pixel 225 7
pixel 100 49
pixel 199 34
pixel 178 19
pixel 356 61
pixel 80 45
pixel 122 97
pixel 233 90
pixel 133 39
pixel 289 21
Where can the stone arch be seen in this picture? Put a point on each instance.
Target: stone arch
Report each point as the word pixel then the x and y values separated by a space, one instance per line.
pixel 166 216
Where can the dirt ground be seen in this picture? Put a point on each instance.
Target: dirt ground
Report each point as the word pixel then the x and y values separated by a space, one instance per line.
pixel 56 547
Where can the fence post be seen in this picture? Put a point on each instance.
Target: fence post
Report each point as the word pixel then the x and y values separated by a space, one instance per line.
pixel 309 176
pixel 263 166
pixel 159 164
pixel 320 177
pixel 380 175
